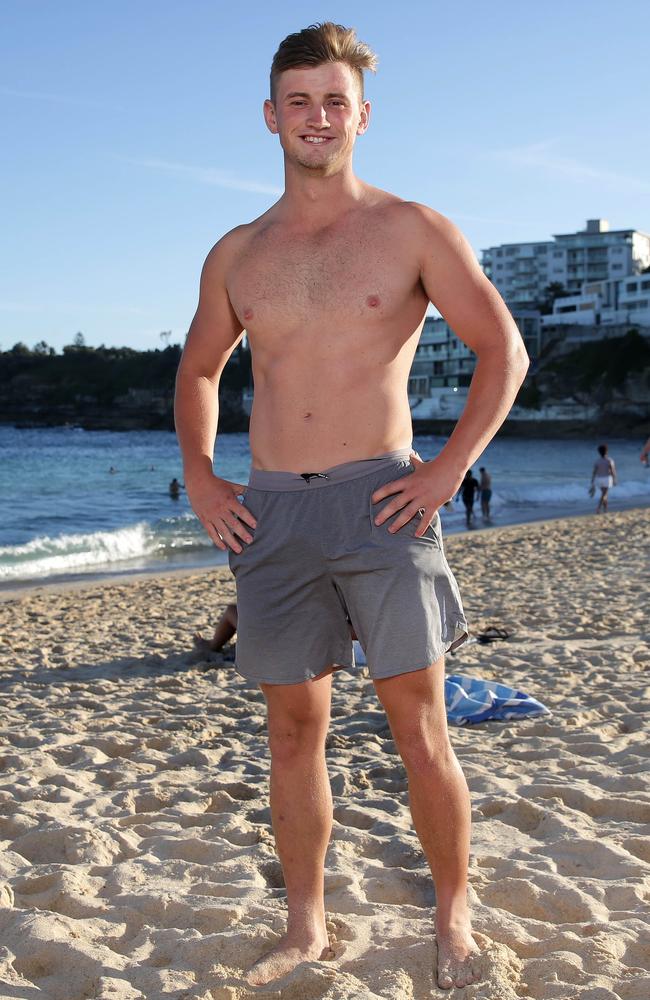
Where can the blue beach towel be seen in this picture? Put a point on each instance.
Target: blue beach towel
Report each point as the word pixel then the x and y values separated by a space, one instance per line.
pixel 469 700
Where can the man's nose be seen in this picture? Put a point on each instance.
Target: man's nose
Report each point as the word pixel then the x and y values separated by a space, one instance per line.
pixel 318 117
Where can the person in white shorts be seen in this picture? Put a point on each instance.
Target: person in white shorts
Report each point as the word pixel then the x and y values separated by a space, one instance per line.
pixel 603 477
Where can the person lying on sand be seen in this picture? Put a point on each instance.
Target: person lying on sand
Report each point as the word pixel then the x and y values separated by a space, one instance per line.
pixel 225 629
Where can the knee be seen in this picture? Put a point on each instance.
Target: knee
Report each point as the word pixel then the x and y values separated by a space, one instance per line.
pixel 422 751
pixel 292 738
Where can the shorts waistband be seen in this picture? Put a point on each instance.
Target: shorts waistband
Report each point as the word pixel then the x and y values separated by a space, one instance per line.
pixel 310 479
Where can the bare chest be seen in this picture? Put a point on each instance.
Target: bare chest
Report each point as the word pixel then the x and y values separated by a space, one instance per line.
pixel 338 278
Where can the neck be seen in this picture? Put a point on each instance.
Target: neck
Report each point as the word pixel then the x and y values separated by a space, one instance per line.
pixel 320 197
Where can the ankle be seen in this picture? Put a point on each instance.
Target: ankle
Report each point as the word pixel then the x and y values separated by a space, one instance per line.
pixel 307 924
pixel 451 912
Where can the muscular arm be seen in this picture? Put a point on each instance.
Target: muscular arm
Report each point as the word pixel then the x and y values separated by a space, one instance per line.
pixel 477 314
pixel 214 333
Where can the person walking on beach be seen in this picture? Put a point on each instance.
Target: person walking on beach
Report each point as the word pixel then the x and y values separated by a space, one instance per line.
pixel 339 520
pixel 468 490
pixel 603 477
pixel 485 484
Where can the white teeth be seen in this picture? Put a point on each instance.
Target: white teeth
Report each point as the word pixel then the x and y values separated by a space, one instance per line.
pixel 314 138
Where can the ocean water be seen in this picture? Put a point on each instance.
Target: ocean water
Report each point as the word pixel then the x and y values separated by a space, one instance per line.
pixel 66 515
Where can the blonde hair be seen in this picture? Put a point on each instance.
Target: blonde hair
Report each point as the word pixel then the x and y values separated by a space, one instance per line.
pixel 321 43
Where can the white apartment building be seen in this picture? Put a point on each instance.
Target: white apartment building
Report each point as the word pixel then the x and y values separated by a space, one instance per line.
pixel 443 362
pixel 605 303
pixel 522 271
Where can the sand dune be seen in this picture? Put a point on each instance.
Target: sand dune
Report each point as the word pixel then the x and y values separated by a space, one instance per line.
pixel 138 858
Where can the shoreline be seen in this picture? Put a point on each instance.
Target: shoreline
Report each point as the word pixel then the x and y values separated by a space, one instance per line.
pixel 11 590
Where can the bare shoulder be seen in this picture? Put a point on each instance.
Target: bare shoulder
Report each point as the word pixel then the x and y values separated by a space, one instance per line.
pixel 435 230
pixel 231 245
pixel 227 249
pixel 429 232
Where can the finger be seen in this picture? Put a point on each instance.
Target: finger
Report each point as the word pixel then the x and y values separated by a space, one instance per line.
pixel 213 533
pixel 388 489
pixel 232 530
pixel 425 522
pixel 244 514
pixel 392 508
pixel 236 522
pixel 406 514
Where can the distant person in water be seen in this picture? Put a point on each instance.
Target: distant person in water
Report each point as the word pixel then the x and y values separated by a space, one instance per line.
pixel 468 490
pixel 603 477
pixel 486 492
pixel 174 489
pixel 645 454
pixel 112 469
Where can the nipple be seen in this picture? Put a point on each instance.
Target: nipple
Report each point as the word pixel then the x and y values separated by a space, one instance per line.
pixel 248 314
pixel 373 301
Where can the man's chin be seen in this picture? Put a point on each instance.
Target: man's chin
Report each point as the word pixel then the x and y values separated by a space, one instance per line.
pixel 321 165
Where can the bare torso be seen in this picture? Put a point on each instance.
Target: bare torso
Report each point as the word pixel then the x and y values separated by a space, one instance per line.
pixel 333 318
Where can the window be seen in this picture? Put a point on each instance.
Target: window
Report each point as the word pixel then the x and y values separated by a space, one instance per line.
pixel 632 286
pixel 645 284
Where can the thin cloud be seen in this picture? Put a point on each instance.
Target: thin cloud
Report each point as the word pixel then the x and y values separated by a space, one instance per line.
pixel 70 307
pixel 207 175
pixel 77 102
pixel 541 156
pixel 486 219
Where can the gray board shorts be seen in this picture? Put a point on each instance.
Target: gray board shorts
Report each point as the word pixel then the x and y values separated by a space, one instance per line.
pixel 318 564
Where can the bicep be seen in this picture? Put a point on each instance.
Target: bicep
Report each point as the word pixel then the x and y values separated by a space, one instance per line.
pixel 215 330
pixel 458 288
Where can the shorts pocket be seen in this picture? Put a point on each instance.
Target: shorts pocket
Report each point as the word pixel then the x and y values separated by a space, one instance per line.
pixel 432 535
pixel 253 500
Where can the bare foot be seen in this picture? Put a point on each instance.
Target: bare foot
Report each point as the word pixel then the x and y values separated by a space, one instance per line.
pixel 458 956
pixel 287 954
pixel 205 645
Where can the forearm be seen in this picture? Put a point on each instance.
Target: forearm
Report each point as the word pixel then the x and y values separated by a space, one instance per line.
pixel 493 389
pixel 196 414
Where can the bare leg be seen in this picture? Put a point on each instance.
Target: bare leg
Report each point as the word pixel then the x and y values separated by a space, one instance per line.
pixel 603 498
pixel 301 812
pixel 223 632
pixel 440 807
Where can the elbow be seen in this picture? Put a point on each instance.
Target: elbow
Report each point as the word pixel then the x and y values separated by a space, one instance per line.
pixel 522 363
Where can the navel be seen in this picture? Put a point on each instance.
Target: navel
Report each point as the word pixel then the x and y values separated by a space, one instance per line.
pixel 305 415
pixel 248 314
pixel 373 301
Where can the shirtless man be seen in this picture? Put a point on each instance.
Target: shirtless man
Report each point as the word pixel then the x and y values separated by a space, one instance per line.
pixel 332 285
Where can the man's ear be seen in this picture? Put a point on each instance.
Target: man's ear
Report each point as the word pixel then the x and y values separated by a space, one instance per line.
pixel 269 117
pixel 364 118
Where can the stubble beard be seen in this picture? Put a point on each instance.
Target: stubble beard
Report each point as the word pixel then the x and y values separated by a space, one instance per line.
pixel 327 165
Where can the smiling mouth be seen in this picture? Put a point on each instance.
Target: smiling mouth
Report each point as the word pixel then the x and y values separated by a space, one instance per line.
pixel 316 140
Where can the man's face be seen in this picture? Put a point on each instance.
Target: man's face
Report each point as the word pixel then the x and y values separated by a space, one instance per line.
pixel 318 113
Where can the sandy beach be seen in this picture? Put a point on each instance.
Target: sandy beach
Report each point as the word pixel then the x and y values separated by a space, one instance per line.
pixel 137 854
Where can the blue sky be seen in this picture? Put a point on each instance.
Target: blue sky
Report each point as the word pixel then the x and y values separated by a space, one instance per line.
pixel 132 138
